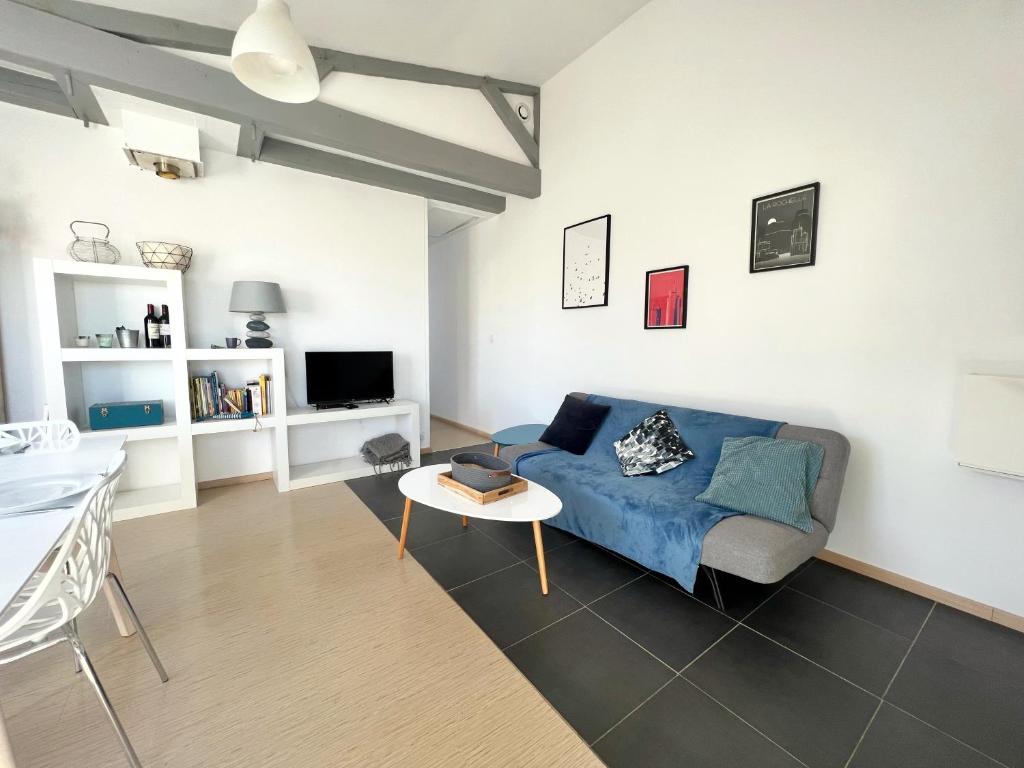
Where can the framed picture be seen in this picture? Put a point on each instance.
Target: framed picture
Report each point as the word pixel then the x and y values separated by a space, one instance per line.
pixel 665 300
pixel 586 251
pixel 783 229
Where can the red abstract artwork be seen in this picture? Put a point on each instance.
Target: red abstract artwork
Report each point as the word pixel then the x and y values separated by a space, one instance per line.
pixel 665 306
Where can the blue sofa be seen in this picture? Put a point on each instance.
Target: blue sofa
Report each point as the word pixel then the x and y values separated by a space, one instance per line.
pixel 655 520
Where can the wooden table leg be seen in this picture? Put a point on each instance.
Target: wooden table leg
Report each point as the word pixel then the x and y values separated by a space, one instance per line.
pixel 496 449
pixel 6 752
pixel 124 625
pixel 405 528
pixel 465 521
pixel 541 566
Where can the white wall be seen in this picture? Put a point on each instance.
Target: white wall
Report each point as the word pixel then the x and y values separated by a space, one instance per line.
pixel 350 259
pixel 448 324
pixel 910 115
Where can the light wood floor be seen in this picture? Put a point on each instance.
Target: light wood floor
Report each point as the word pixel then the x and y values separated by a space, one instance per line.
pixel 444 436
pixel 293 637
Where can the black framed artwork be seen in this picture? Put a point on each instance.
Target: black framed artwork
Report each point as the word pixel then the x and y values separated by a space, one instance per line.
pixel 784 229
pixel 665 294
pixel 586 254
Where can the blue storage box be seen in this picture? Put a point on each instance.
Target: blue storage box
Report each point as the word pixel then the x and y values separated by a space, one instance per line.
pixel 140 413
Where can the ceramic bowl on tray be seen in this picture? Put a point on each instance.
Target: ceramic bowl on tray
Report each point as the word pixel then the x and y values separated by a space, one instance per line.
pixel 481 471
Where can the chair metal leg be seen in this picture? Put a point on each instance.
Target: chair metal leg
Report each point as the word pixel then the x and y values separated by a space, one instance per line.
pixel 138 626
pixel 90 673
pixel 78 664
pixel 715 589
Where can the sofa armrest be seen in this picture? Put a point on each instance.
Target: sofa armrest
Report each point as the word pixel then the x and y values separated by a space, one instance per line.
pixel 512 452
pixel 825 499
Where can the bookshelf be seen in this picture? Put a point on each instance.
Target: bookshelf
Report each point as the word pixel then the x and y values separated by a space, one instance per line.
pixel 307 447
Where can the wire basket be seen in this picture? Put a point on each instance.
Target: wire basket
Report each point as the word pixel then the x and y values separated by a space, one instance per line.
pixel 96 250
pixel 165 255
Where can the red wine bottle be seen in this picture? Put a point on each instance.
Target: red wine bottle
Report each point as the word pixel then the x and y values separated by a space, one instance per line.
pixel 151 327
pixel 165 327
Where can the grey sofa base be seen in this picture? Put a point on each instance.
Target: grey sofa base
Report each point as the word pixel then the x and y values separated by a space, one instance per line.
pixel 758 549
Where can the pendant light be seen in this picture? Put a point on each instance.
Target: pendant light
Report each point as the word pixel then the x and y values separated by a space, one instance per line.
pixel 270 57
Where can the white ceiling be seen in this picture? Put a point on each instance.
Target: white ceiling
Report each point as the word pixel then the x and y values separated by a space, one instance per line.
pixel 523 40
pixel 443 221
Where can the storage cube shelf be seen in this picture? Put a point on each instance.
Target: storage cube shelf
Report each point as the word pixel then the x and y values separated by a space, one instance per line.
pixel 233 425
pixel 157 432
pixel 113 355
pixel 80 298
pixel 329 471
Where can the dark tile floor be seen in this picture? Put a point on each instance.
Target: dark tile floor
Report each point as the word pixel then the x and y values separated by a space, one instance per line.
pixel 826 668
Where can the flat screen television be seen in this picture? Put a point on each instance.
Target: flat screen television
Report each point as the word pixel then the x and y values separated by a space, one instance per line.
pixel 343 378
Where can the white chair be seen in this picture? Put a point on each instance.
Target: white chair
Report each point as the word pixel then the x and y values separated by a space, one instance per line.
pixel 56 435
pixel 53 436
pixel 44 614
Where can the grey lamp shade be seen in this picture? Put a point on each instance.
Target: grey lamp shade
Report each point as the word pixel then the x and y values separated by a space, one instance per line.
pixel 256 296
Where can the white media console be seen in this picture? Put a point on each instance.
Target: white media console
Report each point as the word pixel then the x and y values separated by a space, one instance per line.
pixel 306 447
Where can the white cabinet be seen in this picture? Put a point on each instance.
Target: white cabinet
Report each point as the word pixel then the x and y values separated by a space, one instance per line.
pixel 76 298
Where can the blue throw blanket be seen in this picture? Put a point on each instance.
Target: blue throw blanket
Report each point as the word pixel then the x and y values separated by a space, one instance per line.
pixel 652 519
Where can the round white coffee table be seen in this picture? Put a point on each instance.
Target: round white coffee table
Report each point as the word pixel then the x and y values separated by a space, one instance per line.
pixel 533 505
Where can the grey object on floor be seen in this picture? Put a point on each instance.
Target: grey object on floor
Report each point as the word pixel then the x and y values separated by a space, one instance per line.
pixel 391 449
pixel 757 549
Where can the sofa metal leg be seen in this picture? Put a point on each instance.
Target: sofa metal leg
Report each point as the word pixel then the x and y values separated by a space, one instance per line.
pixel 715 589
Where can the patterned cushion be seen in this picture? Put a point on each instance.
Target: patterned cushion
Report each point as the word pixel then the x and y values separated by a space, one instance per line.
pixel 768 478
pixel 653 445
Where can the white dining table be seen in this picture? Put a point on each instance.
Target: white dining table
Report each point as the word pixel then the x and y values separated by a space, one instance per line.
pixel 27 539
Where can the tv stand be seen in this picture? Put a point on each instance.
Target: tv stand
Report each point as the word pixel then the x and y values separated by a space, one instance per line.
pixel 335 456
pixel 330 406
pixel 350 404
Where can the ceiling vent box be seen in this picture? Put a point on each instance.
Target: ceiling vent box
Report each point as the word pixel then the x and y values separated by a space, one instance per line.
pixel 170 149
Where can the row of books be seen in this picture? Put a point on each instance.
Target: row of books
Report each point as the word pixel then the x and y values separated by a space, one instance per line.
pixel 211 399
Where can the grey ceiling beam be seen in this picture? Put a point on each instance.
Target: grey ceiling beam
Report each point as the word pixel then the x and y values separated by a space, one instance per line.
pixel 141 27
pixel 82 100
pixel 536 118
pixel 33 92
pixel 46 41
pixel 184 35
pixel 297 156
pixel 511 121
pixel 250 141
pixel 398 70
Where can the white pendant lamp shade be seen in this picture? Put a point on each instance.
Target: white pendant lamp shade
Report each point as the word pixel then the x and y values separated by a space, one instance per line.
pixel 271 58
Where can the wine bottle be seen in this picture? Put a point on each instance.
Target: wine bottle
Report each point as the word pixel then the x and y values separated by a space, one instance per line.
pixel 151 327
pixel 165 327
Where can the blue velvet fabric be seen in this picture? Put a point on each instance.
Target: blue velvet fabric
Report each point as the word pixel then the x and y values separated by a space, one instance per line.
pixel 652 519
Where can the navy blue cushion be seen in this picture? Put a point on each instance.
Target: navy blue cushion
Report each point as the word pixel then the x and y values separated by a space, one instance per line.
pixel 575 425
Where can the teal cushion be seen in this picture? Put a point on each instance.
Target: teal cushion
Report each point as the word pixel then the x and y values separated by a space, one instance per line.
pixel 767 477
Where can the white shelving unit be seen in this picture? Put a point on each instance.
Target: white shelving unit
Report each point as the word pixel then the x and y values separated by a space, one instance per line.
pixel 79 298
pixel 404 413
pixel 207 359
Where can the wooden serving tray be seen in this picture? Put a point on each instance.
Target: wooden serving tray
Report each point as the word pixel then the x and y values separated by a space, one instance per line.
pixel 518 485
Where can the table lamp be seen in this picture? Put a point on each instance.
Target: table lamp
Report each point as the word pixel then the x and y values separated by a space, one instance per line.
pixel 256 298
